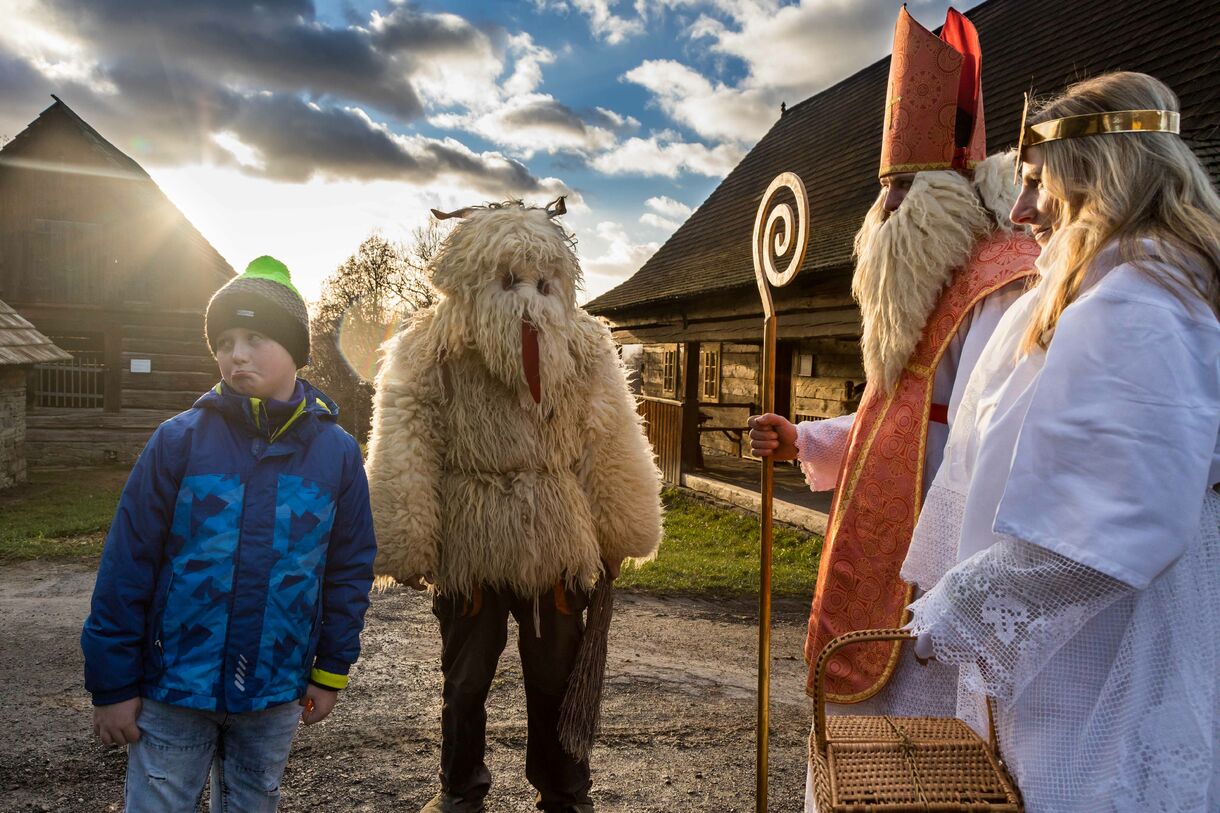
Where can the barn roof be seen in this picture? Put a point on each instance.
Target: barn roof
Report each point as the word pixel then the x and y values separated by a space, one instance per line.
pixel 21 344
pixel 124 166
pixel 833 139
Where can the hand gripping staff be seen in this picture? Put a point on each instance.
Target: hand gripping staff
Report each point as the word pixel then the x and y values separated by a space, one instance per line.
pixel 776 226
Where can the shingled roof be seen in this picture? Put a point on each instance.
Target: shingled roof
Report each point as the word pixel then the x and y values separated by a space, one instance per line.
pixel 123 166
pixel 833 140
pixel 21 343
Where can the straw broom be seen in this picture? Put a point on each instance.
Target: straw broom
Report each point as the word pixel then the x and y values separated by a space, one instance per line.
pixel 581 708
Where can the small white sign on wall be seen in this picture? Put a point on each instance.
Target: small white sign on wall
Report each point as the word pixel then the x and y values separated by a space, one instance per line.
pixel 141 365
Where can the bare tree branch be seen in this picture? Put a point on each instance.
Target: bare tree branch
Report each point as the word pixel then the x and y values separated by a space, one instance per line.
pixel 369 296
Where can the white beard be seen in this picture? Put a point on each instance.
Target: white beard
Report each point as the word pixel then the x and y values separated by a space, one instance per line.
pixel 903 262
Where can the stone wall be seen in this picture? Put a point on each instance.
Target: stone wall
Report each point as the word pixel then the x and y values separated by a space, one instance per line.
pixel 12 426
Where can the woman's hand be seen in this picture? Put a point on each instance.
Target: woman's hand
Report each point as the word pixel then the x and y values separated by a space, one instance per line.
pixel 924 650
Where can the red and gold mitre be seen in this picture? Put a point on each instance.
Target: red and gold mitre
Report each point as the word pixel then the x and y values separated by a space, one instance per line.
pixel 934 103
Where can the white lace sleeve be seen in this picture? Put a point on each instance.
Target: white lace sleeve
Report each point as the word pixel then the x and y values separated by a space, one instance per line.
pixel 1003 613
pixel 820 446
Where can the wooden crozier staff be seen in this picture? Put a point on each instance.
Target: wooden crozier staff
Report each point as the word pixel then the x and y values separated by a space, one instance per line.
pixel 767 234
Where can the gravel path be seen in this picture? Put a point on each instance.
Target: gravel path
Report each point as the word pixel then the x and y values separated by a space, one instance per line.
pixel 677 724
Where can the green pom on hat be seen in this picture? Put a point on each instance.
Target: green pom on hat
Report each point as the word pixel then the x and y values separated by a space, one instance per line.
pixel 263 298
pixel 269 268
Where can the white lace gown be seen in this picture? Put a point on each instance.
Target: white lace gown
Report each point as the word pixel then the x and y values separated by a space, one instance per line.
pixel 1070 550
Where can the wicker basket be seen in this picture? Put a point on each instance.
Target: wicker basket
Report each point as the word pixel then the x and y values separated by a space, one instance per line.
pixel 902 763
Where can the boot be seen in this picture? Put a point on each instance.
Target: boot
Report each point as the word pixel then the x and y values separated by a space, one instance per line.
pixel 448 803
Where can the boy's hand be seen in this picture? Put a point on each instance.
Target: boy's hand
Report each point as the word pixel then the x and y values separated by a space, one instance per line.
pixel 318 703
pixel 116 724
pixel 612 568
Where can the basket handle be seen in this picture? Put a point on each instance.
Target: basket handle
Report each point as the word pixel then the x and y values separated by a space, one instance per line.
pixel 861 637
pixel 819 680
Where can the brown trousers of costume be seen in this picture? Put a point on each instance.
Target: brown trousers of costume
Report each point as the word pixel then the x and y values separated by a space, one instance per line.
pixel 474 631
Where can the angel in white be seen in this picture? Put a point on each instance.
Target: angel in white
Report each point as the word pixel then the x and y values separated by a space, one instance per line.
pixel 1070 543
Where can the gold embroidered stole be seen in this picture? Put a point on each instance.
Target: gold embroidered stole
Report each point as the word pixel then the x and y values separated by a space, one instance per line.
pixel 880 487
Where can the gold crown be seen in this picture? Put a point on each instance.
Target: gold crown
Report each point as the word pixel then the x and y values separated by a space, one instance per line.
pixel 1091 124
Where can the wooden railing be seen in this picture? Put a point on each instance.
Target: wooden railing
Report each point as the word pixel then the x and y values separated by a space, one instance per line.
pixel 663 418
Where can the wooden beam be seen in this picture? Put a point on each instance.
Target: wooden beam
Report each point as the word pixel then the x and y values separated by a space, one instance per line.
pixel 690 407
pixel 837 322
pixel 113 359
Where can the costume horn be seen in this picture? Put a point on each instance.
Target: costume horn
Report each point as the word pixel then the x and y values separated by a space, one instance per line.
pixel 463 212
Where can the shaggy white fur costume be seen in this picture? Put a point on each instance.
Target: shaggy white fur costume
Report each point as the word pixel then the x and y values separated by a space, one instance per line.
pixel 472 482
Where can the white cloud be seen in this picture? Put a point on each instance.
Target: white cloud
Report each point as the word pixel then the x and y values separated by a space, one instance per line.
pixel 619 258
pixel 537 122
pixel 658 222
pixel 797 50
pixel 789 52
pixel 527 73
pixel 243 153
pixel 660 155
pixel 667 214
pixel 54 54
pixel 603 22
pixel 715 111
pixel 669 207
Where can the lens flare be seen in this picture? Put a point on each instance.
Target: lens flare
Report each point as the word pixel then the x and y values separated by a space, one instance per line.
pixel 362 331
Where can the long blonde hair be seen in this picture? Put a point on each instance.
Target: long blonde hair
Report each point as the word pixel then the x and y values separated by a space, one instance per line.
pixel 1125 187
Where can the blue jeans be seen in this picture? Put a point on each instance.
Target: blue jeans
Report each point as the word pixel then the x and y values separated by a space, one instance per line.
pixel 167 766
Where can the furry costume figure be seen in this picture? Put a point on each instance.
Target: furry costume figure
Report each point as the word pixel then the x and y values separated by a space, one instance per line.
pixel 507 464
pixel 472 482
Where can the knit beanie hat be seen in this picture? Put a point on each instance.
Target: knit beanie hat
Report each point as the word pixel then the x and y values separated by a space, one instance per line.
pixel 262 299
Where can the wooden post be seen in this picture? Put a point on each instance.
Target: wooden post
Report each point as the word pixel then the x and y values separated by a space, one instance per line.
pixel 690 407
pixel 767 238
pixel 112 378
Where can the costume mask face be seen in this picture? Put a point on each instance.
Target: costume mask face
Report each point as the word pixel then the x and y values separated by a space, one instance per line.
pixel 510 276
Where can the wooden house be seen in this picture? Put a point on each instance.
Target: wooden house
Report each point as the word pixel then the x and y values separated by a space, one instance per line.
pixel 694 305
pixel 96 257
pixel 21 347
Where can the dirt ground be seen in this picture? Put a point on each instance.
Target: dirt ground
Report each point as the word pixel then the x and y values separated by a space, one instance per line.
pixel 677 724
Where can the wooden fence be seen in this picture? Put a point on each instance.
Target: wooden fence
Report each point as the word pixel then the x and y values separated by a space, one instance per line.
pixel 663 418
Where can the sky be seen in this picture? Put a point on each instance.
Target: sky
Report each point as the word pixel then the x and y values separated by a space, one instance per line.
pixel 299 127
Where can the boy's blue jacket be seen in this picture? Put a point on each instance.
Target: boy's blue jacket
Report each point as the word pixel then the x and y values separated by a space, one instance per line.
pixel 239 562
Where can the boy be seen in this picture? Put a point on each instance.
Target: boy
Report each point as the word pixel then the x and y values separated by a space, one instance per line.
pixel 235 577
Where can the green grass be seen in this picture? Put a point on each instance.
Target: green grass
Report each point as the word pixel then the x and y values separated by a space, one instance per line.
pixel 708 549
pixel 64 513
pixel 59 513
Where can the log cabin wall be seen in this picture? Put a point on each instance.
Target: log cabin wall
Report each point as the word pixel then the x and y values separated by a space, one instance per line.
pixel 830 382
pixel 101 262
pixel 817 319
pixel 725 415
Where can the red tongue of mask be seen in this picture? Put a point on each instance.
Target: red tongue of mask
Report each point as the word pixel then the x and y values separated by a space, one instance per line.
pixel 529 359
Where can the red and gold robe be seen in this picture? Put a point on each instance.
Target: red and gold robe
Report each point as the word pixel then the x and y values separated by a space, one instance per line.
pixel 880 485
